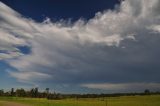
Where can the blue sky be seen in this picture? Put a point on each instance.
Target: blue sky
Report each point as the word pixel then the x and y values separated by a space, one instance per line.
pixel 60 9
pixel 80 46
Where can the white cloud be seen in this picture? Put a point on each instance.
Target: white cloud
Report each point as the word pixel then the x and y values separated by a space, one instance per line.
pixel 28 76
pixel 97 50
pixel 10 55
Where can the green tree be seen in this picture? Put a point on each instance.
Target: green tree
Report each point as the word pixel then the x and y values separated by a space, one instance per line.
pixel 12 92
pixel 36 92
pixel 1 92
pixel 20 92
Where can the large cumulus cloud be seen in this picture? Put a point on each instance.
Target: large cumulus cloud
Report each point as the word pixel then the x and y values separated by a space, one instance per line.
pixel 118 46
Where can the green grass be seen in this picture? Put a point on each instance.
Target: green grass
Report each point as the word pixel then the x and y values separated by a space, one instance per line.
pixel 153 100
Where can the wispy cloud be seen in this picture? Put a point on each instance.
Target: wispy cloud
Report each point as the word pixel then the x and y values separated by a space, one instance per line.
pixel 115 46
pixel 125 87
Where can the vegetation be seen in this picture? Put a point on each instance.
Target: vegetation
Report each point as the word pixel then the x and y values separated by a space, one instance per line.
pixel 35 98
pixel 34 93
pixel 146 100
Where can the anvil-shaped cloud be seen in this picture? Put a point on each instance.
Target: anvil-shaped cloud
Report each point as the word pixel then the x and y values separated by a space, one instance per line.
pixel 116 47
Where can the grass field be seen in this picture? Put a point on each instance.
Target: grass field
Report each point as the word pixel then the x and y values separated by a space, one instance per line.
pixel 153 100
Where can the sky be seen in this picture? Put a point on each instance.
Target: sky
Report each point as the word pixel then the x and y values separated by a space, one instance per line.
pixel 103 46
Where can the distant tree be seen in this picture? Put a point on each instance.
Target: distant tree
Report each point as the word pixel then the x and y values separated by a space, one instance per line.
pixel 20 92
pixel 31 93
pixel 36 92
pixel 12 92
pixel 7 94
pixel 1 92
pixel 147 91
pixel 47 90
pixel 54 96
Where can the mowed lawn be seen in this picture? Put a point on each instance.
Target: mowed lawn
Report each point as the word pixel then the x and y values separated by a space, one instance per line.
pixel 152 100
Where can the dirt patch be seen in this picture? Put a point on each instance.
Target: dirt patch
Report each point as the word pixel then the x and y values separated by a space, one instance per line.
pixel 12 104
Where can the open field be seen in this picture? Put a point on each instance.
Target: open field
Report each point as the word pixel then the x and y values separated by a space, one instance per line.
pixel 6 103
pixel 153 100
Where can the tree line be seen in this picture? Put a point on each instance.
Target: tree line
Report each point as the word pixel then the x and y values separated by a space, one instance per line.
pixel 35 93
pixel 32 93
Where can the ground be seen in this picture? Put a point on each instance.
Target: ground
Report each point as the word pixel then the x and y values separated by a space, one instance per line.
pixel 150 100
pixel 6 103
